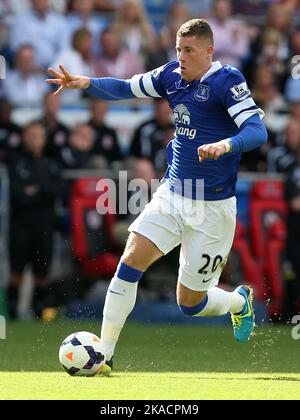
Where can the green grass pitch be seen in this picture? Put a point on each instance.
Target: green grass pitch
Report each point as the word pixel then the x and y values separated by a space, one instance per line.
pixel 154 362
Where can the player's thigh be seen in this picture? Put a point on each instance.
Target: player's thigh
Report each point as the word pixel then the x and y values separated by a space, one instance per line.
pixel 155 232
pixel 205 248
pixel 140 252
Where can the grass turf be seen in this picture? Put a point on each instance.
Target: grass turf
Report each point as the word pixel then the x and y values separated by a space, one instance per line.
pixel 154 362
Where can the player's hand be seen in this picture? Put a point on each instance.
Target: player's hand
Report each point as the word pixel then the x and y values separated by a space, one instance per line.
pixel 67 80
pixel 212 151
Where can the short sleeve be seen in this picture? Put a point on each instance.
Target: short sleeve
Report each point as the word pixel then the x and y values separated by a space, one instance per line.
pixel 237 99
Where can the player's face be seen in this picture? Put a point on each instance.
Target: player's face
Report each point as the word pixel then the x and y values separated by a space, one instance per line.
pixel 195 57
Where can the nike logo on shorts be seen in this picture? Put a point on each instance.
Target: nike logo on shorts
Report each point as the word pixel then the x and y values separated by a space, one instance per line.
pixel 206 281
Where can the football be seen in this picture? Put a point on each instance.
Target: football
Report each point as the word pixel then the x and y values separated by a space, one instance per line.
pixel 80 354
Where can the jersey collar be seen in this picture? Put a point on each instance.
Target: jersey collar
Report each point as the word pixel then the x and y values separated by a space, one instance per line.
pixel 216 65
pixel 182 84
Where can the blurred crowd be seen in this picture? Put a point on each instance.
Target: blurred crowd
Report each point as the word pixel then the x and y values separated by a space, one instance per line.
pixel 120 38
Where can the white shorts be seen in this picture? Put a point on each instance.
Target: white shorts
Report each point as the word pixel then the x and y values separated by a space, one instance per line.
pixel 205 230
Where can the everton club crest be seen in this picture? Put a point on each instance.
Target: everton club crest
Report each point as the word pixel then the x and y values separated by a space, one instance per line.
pixel 202 93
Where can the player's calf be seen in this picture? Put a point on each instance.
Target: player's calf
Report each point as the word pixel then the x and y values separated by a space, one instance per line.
pixel 216 302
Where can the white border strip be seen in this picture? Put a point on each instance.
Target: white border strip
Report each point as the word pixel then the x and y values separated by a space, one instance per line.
pixel 135 86
pixel 148 85
pixel 247 114
pixel 247 103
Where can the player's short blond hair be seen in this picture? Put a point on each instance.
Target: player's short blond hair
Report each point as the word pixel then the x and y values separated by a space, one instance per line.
pixel 196 27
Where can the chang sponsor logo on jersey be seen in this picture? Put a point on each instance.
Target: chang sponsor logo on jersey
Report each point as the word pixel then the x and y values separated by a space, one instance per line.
pixel 183 116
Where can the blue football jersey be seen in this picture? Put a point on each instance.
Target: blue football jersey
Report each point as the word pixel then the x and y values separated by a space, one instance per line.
pixel 205 111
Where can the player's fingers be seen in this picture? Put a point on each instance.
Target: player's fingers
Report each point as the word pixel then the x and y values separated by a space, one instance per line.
pixel 58 91
pixel 54 73
pixel 202 148
pixel 210 152
pixel 65 72
pixel 202 153
pixel 207 151
pixel 55 81
pixel 217 154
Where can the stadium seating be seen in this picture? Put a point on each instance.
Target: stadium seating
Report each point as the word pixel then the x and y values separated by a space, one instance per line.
pixel 267 205
pixel 245 265
pixel 274 265
pixel 92 238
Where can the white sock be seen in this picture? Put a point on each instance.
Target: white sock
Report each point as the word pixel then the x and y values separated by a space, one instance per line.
pixel 221 302
pixel 119 302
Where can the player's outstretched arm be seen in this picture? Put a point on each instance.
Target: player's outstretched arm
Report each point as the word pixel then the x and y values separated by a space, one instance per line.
pixel 108 88
pixel 66 80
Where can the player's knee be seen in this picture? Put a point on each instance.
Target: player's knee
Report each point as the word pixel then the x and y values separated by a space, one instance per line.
pixel 195 309
pixel 140 252
pixel 133 260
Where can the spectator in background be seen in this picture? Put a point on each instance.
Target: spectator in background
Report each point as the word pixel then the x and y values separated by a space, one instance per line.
pixel 292 5
pixel 115 59
pixel 164 51
pixel 44 29
pixel 5 50
pixel 79 151
pixel 292 194
pixel 24 86
pixel 16 7
pixel 82 15
pixel 166 39
pixel 266 94
pixel 134 28
pixel 279 20
pixel 178 13
pixel 106 5
pixel 279 17
pixel 79 59
pixel 295 110
pixel 292 87
pixel 10 134
pixel 251 8
pixel 231 37
pixel 198 9
pixel 283 158
pixel 106 140
pixel 56 132
pixel 270 54
pixel 255 161
pixel 151 138
pixel 34 187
